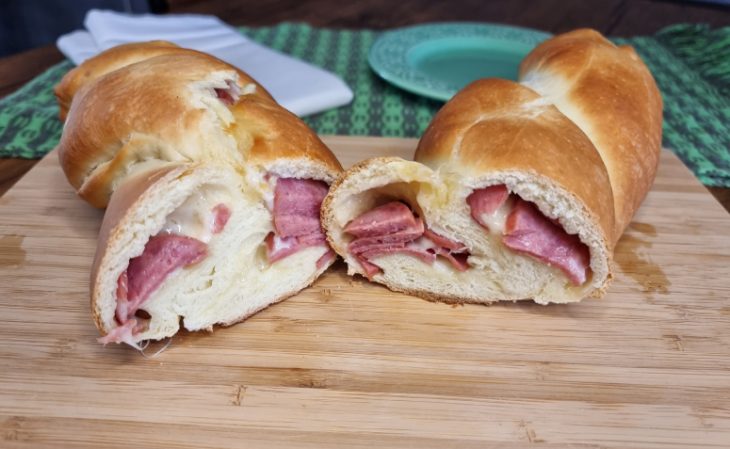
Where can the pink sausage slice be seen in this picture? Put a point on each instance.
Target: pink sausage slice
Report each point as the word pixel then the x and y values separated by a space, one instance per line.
pixel 386 219
pixel 221 214
pixel 296 206
pixel 278 248
pixel 411 233
pixel 394 228
pixel 444 242
pixel 531 232
pixel 163 254
pixel 486 201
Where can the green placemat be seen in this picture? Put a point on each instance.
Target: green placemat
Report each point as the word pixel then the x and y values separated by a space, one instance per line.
pixel 691 64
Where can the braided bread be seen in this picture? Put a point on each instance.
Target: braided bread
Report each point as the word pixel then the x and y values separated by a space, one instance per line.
pixel 519 190
pixel 212 190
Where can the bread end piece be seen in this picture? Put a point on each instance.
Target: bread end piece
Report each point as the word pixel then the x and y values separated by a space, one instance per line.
pixel 439 197
pixel 231 283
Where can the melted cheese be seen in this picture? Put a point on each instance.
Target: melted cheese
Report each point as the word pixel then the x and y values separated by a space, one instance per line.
pixel 265 184
pixel 423 244
pixel 195 217
pixel 267 191
pixel 497 220
pixel 248 89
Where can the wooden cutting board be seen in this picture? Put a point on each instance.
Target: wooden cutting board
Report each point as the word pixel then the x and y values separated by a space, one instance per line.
pixel 350 364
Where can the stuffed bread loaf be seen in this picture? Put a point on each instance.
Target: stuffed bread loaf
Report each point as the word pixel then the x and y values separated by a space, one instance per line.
pixel 212 189
pixel 519 190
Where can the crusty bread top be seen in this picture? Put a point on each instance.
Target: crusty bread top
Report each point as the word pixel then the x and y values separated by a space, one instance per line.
pixel 139 112
pixel 610 94
pixel 162 107
pixel 105 62
pixel 496 125
pixel 113 59
pixel 266 133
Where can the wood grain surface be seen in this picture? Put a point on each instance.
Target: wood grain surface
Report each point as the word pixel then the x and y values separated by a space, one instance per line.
pixel 350 364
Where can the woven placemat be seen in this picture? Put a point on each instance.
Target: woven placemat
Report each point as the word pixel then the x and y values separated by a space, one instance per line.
pixel 691 64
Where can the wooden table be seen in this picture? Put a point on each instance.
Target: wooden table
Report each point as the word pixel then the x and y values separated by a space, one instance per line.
pixel 615 17
pixel 349 364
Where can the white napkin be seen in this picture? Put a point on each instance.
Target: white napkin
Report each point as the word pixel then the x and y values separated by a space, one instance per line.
pixel 298 86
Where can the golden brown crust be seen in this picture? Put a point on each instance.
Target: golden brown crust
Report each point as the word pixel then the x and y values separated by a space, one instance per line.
pixel 104 63
pixel 115 58
pixel 148 110
pixel 495 125
pixel 610 93
pixel 128 115
pixel 266 132
pixel 140 112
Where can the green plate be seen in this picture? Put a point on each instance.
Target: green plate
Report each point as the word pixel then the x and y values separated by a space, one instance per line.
pixel 437 60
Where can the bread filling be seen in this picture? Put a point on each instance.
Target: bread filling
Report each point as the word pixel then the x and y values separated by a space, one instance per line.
pixel 390 226
pixel 394 228
pixel 181 243
pixel 490 207
pixel 201 216
pixel 522 228
pixel 295 208
pixel 230 94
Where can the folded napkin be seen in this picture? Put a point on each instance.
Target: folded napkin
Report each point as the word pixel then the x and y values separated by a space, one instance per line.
pixel 298 86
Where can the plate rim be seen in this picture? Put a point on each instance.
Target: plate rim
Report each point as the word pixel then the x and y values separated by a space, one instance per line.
pixel 425 87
